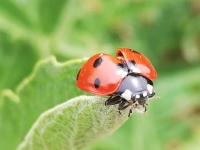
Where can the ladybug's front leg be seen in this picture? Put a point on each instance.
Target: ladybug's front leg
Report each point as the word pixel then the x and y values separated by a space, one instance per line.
pixel 112 100
pixel 123 106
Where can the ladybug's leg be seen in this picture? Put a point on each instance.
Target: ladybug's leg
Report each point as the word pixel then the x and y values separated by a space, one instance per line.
pixel 112 100
pixel 123 106
pixel 130 112
pixel 120 113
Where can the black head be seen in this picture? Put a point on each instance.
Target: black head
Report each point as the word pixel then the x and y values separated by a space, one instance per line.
pixel 136 88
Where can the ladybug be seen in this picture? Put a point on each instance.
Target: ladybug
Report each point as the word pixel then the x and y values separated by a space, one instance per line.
pixel 126 78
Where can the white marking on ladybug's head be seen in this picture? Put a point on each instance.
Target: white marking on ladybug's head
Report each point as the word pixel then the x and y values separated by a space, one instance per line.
pixel 137 96
pixel 100 55
pixel 122 73
pixel 126 95
pixel 144 94
pixel 133 68
pixel 150 88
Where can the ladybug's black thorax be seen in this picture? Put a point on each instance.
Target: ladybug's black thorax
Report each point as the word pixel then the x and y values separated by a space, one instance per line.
pixel 136 88
pixel 134 83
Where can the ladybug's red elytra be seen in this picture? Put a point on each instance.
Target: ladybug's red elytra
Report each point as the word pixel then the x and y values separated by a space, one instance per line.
pixel 126 78
pixel 137 63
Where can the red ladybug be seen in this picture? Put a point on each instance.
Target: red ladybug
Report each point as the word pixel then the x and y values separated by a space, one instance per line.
pixel 105 75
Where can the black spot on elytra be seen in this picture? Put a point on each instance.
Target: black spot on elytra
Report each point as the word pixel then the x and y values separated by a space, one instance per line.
pixel 78 74
pixel 97 62
pixel 96 83
pixel 134 51
pixel 121 66
pixel 131 62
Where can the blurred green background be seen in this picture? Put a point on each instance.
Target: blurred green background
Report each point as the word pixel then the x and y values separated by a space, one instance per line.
pixel 166 31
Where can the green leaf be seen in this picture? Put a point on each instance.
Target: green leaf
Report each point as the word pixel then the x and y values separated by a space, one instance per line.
pixel 73 125
pixel 50 84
